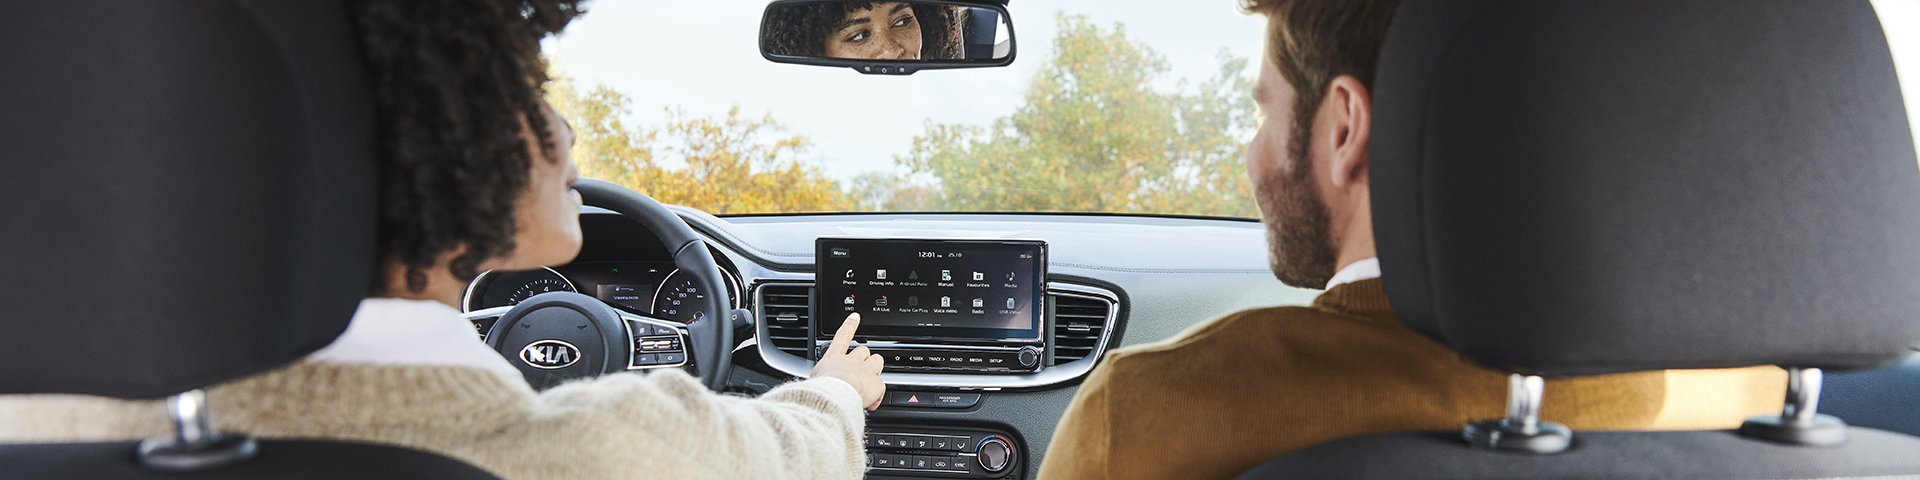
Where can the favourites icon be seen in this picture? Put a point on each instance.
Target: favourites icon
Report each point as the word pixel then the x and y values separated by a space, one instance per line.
pixel 977 276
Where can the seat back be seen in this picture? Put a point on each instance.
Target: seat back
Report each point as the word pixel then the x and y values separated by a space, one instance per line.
pixel 187 198
pixel 1587 187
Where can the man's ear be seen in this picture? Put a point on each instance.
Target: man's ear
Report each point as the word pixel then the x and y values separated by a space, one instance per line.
pixel 1350 113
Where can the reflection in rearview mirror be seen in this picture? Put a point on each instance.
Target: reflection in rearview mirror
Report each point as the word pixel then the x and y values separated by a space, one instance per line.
pixel 906 36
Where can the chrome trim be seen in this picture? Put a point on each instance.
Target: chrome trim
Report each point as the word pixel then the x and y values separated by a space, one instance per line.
pixel 466 299
pixel 1047 376
pixel 486 312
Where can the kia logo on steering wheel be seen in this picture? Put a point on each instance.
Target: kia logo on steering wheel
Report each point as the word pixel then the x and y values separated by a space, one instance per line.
pixel 550 354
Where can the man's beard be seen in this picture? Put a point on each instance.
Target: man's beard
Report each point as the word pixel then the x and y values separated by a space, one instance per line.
pixel 1299 228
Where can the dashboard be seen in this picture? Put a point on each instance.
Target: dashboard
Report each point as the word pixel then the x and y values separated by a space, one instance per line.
pixel 976 384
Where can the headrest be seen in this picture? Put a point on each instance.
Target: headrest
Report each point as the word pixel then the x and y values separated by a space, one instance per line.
pixel 187 195
pixel 1599 186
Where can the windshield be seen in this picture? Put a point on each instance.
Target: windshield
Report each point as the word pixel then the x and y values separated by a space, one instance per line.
pixel 1111 106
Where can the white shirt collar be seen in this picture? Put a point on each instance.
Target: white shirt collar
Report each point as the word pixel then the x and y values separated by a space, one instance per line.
pixel 1356 271
pixel 393 331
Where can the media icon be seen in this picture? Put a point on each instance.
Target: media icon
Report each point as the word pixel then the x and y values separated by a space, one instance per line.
pixel 1009 304
pixel 1009 276
pixel 849 300
pixel 881 302
pixel 880 274
pixel 946 301
pixel 977 276
pixel 979 302
pixel 946 275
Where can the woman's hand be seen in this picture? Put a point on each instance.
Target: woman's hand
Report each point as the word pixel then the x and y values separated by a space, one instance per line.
pixel 859 367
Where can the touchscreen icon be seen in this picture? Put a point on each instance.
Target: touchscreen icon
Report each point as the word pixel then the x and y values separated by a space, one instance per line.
pixel 849 273
pixel 977 276
pixel 880 302
pixel 979 302
pixel 1009 276
pixel 849 300
pixel 913 274
pixel 880 274
pixel 946 301
pixel 1009 304
pixel 946 275
pixel 913 301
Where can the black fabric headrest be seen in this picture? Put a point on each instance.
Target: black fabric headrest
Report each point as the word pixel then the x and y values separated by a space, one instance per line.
pixel 1598 186
pixel 187 191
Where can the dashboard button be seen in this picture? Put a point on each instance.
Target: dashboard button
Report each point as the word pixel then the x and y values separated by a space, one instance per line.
pixel 942 463
pixel 920 462
pixel 672 358
pixel 645 359
pixel 922 443
pixel 961 463
pixel 883 441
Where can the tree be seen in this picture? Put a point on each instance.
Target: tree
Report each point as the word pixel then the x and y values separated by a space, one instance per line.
pixel 1093 135
pixel 729 167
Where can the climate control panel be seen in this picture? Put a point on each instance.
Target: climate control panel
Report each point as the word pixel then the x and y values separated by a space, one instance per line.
pixel 895 451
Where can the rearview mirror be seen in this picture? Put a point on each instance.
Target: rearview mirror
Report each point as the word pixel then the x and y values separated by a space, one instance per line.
pixel 890 38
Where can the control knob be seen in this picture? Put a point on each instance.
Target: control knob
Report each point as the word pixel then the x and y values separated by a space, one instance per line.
pixel 1029 357
pixel 995 453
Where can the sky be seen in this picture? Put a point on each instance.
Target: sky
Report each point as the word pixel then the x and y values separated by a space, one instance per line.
pixel 702 57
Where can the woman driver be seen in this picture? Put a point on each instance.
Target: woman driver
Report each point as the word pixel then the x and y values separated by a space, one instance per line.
pixel 474 175
pixel 866 30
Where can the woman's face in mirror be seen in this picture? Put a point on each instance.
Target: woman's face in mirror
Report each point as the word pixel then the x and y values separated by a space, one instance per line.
pixel 888 31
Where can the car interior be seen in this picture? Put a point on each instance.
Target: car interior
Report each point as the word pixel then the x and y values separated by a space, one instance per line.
pixel 180 172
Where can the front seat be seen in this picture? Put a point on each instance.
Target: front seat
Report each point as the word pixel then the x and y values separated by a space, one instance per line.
pixel 1587 187
pixel 186 197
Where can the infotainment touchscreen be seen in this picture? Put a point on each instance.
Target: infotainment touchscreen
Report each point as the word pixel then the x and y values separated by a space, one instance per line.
pixel 988 290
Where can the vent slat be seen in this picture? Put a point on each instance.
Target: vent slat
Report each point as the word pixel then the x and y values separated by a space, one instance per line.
pixel 1078 323
pixel 783 309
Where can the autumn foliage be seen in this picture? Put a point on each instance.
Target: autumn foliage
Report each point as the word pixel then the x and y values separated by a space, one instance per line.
pixel 1093 135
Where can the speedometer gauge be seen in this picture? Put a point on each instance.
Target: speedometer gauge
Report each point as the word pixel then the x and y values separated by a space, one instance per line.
pixel 678 298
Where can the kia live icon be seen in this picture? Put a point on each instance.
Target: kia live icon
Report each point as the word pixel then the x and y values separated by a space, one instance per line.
pixel 936 304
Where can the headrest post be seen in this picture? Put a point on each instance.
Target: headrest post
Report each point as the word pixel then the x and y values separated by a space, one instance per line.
pixel 1521 430
pixel 1800 421
pixel 195 445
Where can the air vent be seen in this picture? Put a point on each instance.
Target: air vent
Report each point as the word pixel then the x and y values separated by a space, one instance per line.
pixel 1077 325
pixel 783 309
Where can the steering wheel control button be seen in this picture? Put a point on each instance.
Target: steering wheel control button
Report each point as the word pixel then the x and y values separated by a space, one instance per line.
pixel 672 358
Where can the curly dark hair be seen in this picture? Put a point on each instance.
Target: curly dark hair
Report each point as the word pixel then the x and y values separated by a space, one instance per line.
pixel 454 81
pixel 802 30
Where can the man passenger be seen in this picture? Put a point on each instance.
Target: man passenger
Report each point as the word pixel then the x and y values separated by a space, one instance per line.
pixel 1229 393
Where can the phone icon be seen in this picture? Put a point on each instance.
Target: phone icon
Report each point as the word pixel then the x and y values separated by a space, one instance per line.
pixel 849 273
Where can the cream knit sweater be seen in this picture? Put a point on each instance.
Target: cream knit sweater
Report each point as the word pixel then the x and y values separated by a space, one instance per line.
pixel 626 425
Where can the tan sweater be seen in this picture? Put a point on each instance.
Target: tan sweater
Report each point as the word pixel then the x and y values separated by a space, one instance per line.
pixel 661 425
pixel 1228 394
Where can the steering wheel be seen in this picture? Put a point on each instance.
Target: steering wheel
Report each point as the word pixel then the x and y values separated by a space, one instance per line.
pixel 558 336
